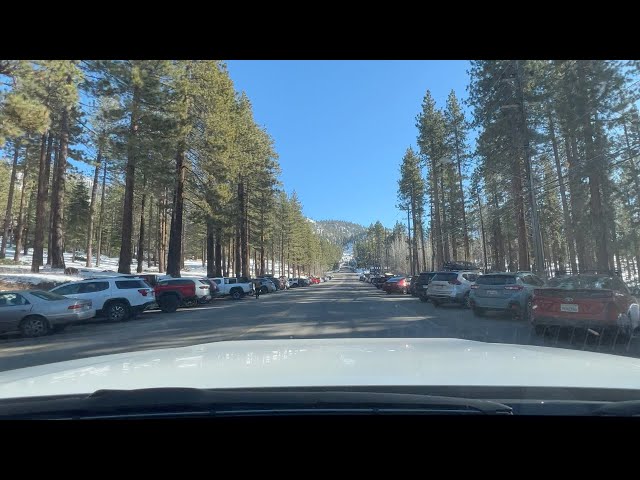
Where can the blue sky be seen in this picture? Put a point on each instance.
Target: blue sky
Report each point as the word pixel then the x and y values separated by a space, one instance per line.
pixel 341 127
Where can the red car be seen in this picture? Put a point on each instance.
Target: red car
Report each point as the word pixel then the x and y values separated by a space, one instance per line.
pixel 172 293
pixel 587 301
pixel 396 285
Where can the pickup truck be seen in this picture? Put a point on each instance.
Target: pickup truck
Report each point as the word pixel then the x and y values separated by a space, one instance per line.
pixel 235 287
pixel 172 293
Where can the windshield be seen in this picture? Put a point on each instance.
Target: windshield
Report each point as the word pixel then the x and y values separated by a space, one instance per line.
pixel 319 222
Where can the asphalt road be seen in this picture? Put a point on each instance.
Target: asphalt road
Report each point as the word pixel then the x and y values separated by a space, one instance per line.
pixel 342 307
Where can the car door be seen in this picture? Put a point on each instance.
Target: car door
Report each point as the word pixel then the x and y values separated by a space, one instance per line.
pixel 13 307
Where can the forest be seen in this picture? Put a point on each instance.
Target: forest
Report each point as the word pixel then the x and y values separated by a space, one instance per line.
pixel 149 161
pixel 540 173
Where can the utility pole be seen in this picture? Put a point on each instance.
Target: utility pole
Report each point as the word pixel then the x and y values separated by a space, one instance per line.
pixel 535 222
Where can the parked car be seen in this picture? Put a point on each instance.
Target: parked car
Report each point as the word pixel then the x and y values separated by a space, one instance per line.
pixel 451 287
pixel 420 284
pixel 589 301
pixel 277 282
pixel 379 281
pixel 264 285
pixel 116 298
pixel 35 312
pixel 234 287
pixel 285 282
pixel 396 285
pixel 504 292
pixel 172 293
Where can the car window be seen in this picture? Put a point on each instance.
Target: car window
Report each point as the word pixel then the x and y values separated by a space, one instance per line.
pixel 68 289
pixel 12 299
pixel 130 284
pixel 470 276
pixel 91 287
pixel 445 277
pixel 620 286
pixel 496 280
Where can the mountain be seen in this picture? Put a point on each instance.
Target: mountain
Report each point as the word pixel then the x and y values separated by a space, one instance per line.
pixel 338 232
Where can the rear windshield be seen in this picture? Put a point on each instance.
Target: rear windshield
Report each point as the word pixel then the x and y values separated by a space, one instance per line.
pixel 48 296
pixel 496 280
pixel 444 277
pixel 127 284
pixel 582 282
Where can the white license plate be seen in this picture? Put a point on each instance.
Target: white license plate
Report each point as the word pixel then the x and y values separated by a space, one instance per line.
pixel 492 292
pixel 569 307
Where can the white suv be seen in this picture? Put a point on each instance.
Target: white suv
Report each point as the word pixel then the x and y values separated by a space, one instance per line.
pixel 451 286
pixel 117 298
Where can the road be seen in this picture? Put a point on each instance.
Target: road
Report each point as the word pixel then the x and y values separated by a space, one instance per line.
pixel 342 307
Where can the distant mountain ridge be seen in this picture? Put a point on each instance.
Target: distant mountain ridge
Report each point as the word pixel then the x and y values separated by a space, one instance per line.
pixel 339 232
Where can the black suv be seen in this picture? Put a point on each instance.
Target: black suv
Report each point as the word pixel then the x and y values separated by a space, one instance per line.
pixel 419 285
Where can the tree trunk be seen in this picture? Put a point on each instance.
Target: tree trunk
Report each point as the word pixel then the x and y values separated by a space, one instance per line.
pixel 57 237
pixel 467 252
pixel 444 227
pixel 92 209
pixel 237 264
pixel 568 226
pixel 219 254
pixel 576 202
pixel 149 230
pixel 21 209
pixel 140 253
pixel 101 224
pixel 211 245
pixel 175 234
pixel 521 227
pixel 415 268
pixel 51 199
pixel 183 243
pixel 8 217
pixel 244 231
pixel 484 238
pixel 124 262
pixel 40 208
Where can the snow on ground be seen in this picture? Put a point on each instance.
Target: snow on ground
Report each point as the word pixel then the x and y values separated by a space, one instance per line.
pixel 21 273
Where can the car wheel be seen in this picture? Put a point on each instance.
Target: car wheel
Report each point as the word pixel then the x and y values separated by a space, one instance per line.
pixel 404 291
pixel 236 294
pixel 424 298
pixel 478 312
pixel 169 303
pixel 466 301
pixel 190 302
pixel 264 290
pixel 34 326
pixel 117 312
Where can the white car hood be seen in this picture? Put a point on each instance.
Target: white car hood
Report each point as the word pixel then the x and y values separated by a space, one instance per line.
pixel 328 362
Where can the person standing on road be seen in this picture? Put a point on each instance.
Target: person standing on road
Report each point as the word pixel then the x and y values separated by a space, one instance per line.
pixel 258 291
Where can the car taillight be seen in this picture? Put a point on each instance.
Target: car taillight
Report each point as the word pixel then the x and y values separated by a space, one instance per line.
pixel 475 286
pixel 455 282
pixel 513 287
pixel 204 287
pixel 402 283
pixel 143 291
pixel 75 307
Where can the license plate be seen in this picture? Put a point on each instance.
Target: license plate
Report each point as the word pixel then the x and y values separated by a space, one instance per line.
pixel 569 307
pixel 492 292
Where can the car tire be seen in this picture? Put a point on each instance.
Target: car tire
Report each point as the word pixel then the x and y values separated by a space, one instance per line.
pixel 264 290
pixel 236 294
pixel 117 312
pixel 404 291
pixel 190 302
pixel 478 312
pixel 34 326
pixel 466 301
pixel 169 303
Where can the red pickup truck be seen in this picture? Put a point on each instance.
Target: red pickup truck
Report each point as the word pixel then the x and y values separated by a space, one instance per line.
pixel 172 293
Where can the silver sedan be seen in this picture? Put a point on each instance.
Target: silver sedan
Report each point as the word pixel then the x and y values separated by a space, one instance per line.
pixel 35 312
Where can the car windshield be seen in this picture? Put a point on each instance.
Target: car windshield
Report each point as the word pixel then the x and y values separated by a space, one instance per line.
pixel 581 282
pixel 232 224
pixel 495 280
pixel 444 277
